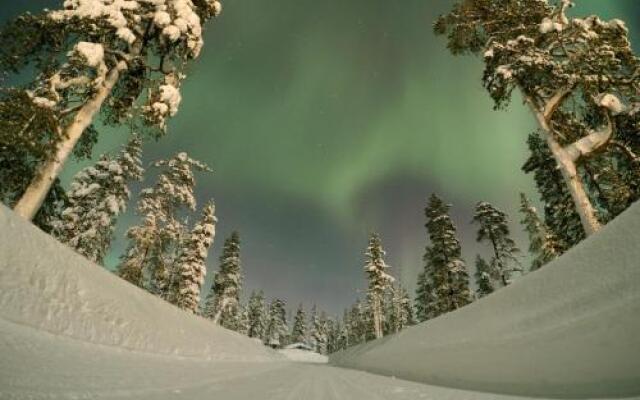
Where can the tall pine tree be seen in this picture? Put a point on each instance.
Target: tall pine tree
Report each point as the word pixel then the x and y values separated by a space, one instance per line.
pixel 444 282
pixel 93 62
pixel 494 230
pixel 276 330
pixel 155 243
pixel 379 283
pixel 299 330
pixel 543 246
pixel 257 315
pixel 190 268
pixel 227 284
pixel 98 195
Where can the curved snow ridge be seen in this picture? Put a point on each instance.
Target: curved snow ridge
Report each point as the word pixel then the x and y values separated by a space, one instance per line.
pixel 569 330
pixel 45 285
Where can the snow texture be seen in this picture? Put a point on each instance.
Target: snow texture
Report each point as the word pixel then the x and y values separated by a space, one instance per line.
pixel 47 286
pixel 93 53
pixel 300 355
pixel 566 330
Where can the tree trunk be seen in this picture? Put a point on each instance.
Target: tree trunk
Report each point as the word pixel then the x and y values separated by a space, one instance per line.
pixel 34 196
pixel 566 162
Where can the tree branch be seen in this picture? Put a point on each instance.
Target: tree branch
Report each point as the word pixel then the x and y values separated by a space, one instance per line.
pixel 592 142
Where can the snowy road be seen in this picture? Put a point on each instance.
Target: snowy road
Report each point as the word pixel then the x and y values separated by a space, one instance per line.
pixel 40 365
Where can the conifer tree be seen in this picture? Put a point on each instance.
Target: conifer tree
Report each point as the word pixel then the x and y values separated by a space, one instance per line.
pixel 358 328
pixel 560 214
pixel 575 74
pixel 399 310
pixel 190 268
pixel 299 331
pixel 318 334
pixel 484 279
pixel 156 242
pixel 98 195
pixel 333 335
pixel 121 60
pixel 227 284
pixel 379 283
pixel 543 245
pixel 256 315
pixel 243 320
pixel 494 229
pixel 444 283
pixel 276 332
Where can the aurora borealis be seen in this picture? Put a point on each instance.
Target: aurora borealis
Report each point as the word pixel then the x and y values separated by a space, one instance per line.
pixel 324 121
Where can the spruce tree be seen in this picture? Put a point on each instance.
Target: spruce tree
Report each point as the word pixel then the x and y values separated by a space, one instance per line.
pixel 399 310
pixel 227 284
pixel 98 195
pixel 276 331
pixel 190 268
pixel 256 315
pixel 494 230
pixel 155 243
pixel 299 331
pixel 112 62
pixel 444 284
pixel 318 334
pixel 575 74
pixel 379 283
pixel 543 246
pixel 358 328
pixel 484 279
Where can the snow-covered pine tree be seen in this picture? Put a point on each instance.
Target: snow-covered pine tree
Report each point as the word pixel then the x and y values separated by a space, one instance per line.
pixel 319 331
pixel 189 270
pixel 26 132
pixel 227 284
pixel 359 325
pixel 560 214
pixel 445 285
pixel 379 283
pixel 494 230
pixel 543 246
pixel 484 280
pixel 256 315
pixel 121 59
pixel 333 335
pixel 243 320
pixel 399 310
pixel 98 195
pixel 156 242
pixel 426 299
pixel 299 330
pixel 575 74
pixel 276 331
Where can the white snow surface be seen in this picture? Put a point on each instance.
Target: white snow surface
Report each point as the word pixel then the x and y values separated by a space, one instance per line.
pixel 304 356
pixel 46 286
pixel 569 329
pixel 71 330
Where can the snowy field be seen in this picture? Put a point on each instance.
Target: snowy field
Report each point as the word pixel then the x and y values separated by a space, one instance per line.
pixel 70 330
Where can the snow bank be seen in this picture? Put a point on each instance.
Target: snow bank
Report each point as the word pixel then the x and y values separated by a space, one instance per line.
pixel 46 286
pixel 567 330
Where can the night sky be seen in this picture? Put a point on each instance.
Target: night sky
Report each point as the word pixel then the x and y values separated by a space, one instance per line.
pixel 326 120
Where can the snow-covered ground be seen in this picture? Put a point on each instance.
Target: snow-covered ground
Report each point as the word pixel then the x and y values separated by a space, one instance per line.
pixel 571 329
pixel 304 356
pixel 70 330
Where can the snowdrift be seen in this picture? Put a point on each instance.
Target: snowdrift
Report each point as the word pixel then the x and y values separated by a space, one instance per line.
pixel 570 330
pixel 46 286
